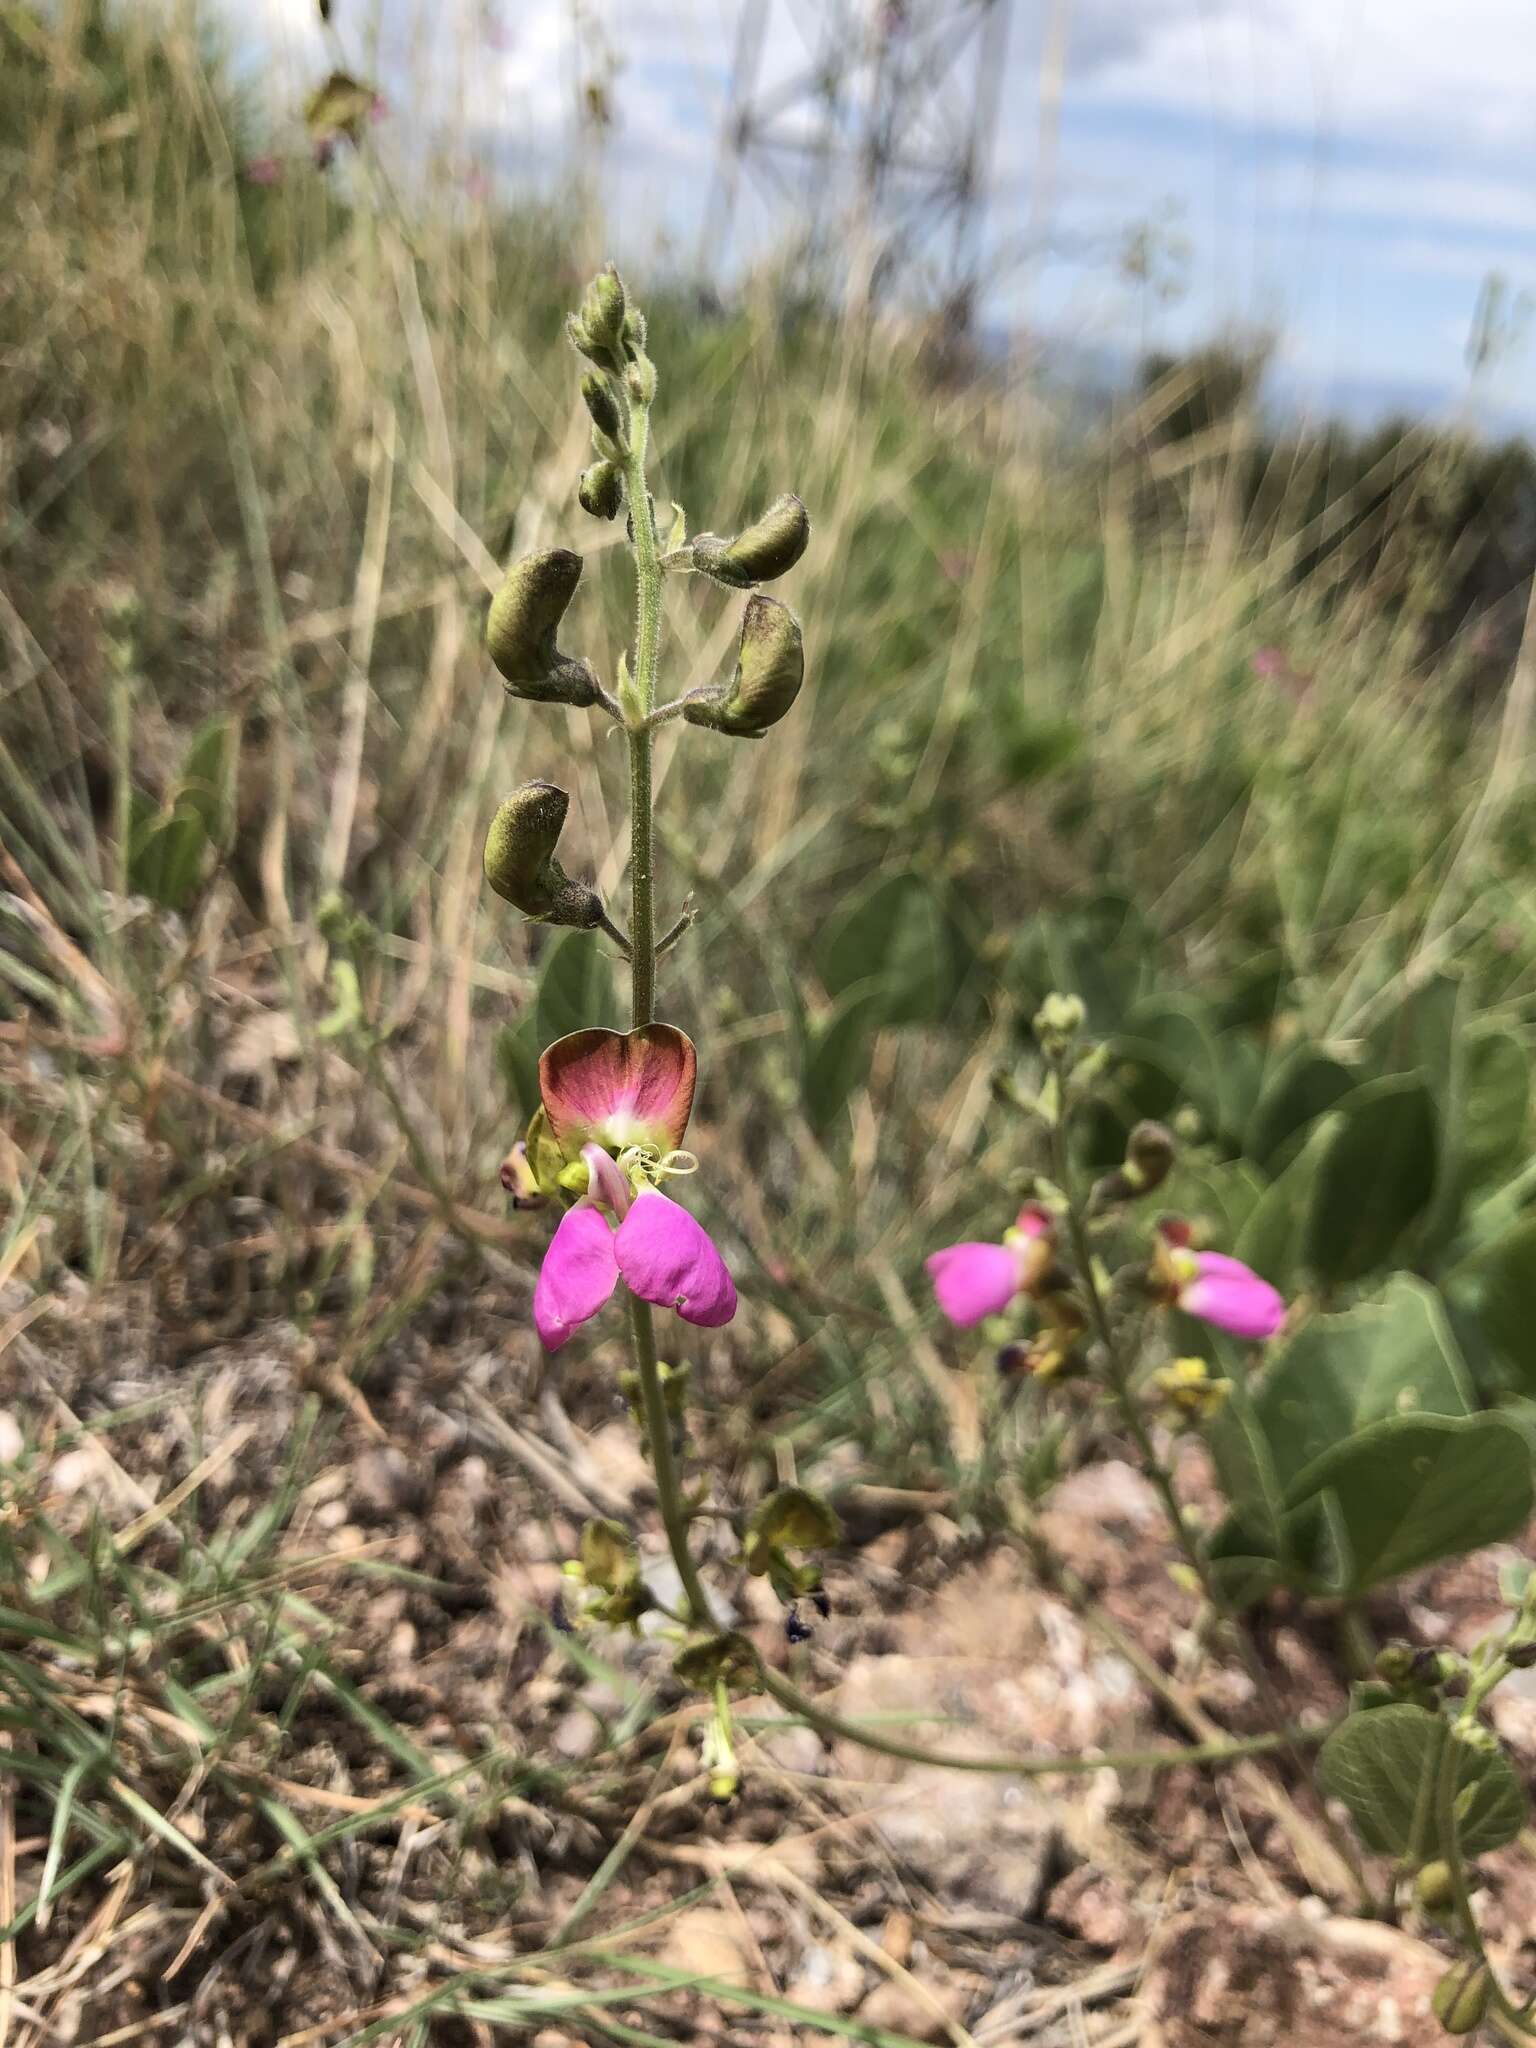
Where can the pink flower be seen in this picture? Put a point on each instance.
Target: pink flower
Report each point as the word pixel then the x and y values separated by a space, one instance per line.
pixel 1218 1289
pixel 1269 661
pixel 973 1281
pixel 608 1093
pixel 658 1250
pixel 263 170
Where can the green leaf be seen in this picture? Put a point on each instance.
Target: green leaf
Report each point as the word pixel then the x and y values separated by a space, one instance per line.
pixel 1339 1374
pixel 1410 1491
pixel 1028 748
pixel 1506 1272
pixel 1274 1238
pixel 1175 1032
pixel 207 779
pixel 1304 1085
pixel 897 937
pixel 836 1054
pixel 1383 1764
pixel 575 988
pixel 1495 1109
pixel 1375 1179
pixel 517 1058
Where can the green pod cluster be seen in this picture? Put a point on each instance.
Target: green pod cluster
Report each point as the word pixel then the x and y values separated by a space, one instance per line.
pixel 520 631
pixel 763 550
pixel 520 862
pixel 598 329
pixel 770 667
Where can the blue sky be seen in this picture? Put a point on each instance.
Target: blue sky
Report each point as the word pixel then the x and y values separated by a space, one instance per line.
pixel 1346 173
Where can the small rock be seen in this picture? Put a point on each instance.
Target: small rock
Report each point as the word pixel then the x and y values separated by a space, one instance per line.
pixel 708 1943
pixel 384 1483
pixel 899 2007
pixel 576 1734
pixel 830 1980
pixel 1092 1906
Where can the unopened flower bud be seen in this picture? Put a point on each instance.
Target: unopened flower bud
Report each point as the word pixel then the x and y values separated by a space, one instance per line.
pixel 1460 1999
pixel 770 667
pixel 640 380
pixel 520 631
pixel 1520 1656
pixel 601 490
pixel 1149 1156
pixel 603 406
pixel 1058 1021
pixel 520 862
pixel 765 549
pixel 1434 1888
pixel 602 309
pixel 634 331
pixel 1395 1663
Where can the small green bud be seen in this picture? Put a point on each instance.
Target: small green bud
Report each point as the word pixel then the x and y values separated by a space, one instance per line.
pixel 770 667
pixel 640 380
pixel 1395 1663
pixel 634 332
pixel 603 309
pixel 601 490
pixel 705 1663
pixel 1461 1997
pixel 520 862
pixel 1058 1021
pixel 765 549
pixel 520 631
pixel 1433 1887
pixel 1149 1157
pixel 791 1519
pixel 603 406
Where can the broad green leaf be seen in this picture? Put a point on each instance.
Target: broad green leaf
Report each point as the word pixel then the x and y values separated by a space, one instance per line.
pixel 896 937
pixel 1175 1032
pixel 1495 1107
pixel 1217 1199
pixel 1506 1272
pixel 1303 1085
pixel 1421 1036
pixel 1239 1078
pixel 207 778
pixel 575 987
pixel 1339 1374
pixel 1375 1179
pixel 836 1055
pixel 1413 1490
pixel 1274 1238
pixel 1383 1765
pixel 517 1058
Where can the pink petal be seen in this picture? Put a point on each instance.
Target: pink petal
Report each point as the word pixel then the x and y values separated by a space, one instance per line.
pixel 667 1257
pixel 606 1186
pixel 972 1281
pixel 577 1277
pixel 1232 1296
pixel 619 1087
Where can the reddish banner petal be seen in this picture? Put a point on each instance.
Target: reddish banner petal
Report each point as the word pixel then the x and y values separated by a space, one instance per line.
pixel 1232 1296
pixel 577 1277
pixel 667 1257
pixel 619 1088
pixel 972 1281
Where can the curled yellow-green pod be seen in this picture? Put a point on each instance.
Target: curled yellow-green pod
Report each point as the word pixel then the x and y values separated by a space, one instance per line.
pixel 763 550
pixel 522 624
pixel 520 862
pixel 770 667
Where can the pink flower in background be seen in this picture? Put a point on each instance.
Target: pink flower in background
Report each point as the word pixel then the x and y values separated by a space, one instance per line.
pixel 263 170
pixel 975 1280
pixel 1269 661
pixel 1272 665
pixel 1219 1290
pixel 477 185
pixel 629 1093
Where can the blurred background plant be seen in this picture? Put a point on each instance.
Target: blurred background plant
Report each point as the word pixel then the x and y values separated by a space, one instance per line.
pixel 1221 728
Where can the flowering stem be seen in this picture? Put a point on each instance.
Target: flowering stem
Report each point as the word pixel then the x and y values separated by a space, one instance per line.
pixel 642 876
pixel 1120 1381
pixel 658 1427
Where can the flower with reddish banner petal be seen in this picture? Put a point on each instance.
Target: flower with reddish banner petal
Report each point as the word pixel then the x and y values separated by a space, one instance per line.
pixel 1218 1289
pixel 973 1281
pixel 667 1257
pixel 619 1088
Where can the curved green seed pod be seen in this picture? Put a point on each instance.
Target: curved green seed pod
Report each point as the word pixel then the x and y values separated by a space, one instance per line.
pixel 520 631
pixel 603 406
pixel 1461 1998
pixel 763 550
pixel 770 667
pixel 520 862
pixel 601 490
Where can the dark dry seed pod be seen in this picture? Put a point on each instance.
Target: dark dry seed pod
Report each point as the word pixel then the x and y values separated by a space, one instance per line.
pixel 520 862
pixel 770 667
pixel 763 550
pixel 601 490
pixel 522 624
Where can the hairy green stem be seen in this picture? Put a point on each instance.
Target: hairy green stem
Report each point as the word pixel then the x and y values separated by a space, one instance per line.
pixel 658 1427
pixel 642 873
